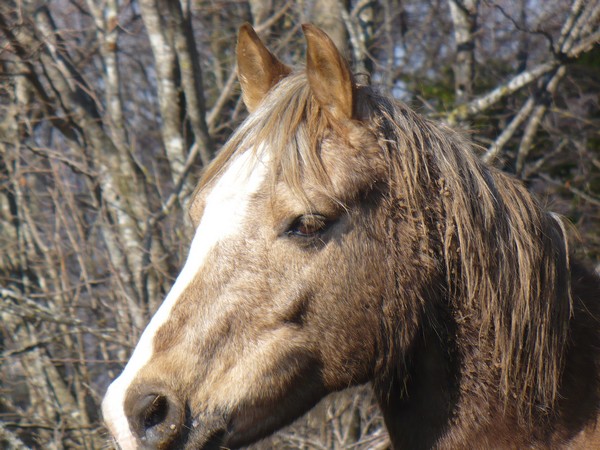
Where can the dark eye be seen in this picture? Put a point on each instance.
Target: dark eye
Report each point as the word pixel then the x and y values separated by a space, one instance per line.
pixel 307 226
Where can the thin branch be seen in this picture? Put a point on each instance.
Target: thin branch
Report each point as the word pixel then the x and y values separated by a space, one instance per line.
pixel 10 438
pixel 481 104
pixel 191 78
pixel 533 168
pixel 508 132
pixel 523 28
pixel 578 192
pixel 75 166
pixel 536 117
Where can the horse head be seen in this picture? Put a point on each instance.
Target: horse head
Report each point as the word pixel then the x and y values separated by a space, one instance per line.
pixel 341 238
pixel 280 299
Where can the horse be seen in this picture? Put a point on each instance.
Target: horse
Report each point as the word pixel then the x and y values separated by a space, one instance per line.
pixel 342 239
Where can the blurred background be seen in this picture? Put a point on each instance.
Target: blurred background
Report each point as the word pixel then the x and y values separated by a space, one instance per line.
pixel 109 109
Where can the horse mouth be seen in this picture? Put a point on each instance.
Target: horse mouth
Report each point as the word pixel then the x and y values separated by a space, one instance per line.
pixel 216 433
pixel 205 432
pixel 215 440
pixel 233 431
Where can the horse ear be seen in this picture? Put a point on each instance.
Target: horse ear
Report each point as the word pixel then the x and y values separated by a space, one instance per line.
pixel 258 69
pixel 328 74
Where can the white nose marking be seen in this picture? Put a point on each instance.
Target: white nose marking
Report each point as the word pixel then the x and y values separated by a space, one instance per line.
pixel 224 214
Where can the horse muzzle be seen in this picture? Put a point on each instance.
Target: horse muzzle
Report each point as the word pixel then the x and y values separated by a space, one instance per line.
pixel 160 420
pixel 156 417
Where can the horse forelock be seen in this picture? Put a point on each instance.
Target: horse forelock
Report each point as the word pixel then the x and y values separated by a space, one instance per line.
pixel 290 125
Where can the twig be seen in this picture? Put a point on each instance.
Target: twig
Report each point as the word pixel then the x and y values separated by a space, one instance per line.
pixel 10 438
pixel 578 192
pixel 480 104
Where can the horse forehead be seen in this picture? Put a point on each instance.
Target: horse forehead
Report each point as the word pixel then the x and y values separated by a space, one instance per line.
pixel 231 182
pixel 226 207
pixel 239 180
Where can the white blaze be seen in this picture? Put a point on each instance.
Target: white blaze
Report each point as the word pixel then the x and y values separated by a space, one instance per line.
pixel 224 213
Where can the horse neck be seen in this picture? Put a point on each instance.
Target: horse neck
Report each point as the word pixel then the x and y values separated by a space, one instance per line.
pixel 450 397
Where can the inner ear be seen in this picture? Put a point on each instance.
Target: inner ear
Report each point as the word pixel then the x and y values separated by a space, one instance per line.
pixel 328 73
pixel 258 69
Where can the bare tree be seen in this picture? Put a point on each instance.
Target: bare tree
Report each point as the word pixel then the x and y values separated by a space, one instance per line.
pixel 464 18
pixel 109 110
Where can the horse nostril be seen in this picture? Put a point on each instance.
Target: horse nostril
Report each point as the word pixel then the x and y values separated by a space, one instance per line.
pixel 156 419
pixel 155 410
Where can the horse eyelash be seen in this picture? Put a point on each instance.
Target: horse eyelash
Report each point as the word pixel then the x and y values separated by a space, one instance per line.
pixel 321 222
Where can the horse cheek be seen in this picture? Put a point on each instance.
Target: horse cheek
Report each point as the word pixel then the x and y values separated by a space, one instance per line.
pixel 350 312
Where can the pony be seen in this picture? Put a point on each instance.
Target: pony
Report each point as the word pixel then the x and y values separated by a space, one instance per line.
pixel 343 239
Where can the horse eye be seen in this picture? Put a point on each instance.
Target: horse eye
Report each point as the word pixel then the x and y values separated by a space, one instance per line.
pixel 308 225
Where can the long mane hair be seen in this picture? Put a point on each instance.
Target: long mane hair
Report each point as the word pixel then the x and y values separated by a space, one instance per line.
pixel 505 259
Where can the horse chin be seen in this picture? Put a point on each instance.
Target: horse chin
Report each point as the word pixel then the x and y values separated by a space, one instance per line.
pixel 244 426
pixel 205 432
pixel 213 434
pixel 200 441
pixel 249 428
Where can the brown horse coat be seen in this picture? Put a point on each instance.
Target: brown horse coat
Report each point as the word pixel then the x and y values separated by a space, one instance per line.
pixel 341 238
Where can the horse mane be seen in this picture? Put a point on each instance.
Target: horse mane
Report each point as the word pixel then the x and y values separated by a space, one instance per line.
pixel 505 258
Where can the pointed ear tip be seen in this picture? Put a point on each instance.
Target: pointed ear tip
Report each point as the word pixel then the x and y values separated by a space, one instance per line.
pixel 316 37
pixel 310 30
pixel 246 27
pixel 246 31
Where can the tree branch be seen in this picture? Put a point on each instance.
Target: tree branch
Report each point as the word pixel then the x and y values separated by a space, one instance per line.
pixel 486 101
pixel 168 72
pixel 464 18
pixel 191 78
